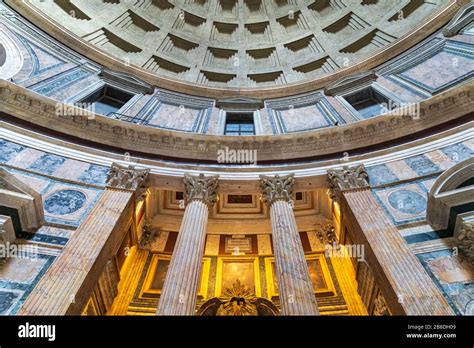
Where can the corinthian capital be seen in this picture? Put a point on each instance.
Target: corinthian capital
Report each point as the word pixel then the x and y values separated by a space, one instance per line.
pixel 201 188
pixel 277 187
pixel 347 178
pixel 127 177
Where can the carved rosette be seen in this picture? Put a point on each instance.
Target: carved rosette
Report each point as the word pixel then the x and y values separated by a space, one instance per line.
pixel 466 241
pixel 201 188
pixel 347 179
pixel 277 188
pixel 128 178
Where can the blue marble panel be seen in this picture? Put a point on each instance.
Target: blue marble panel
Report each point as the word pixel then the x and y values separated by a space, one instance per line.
pixel 73 219
pixel 431 74
pixel 43 61
pixel 380 175
pixel 43 238
pixel 427 236
pixel 63 81
pixel 10 304
pixel 407 201
pixel 47 164
pixel 8 150
pixel 422 165
pixel 95 174
pixel 458 152
pixel 458 294
pixel 7 300
pixel 65 202
pixel 68 204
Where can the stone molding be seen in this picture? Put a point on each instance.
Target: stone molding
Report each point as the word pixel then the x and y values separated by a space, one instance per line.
pixel 347 179
pixel 28 203
pixel 277 188
pixel 201 188
pixel 7 233
pixel 444 193
pixel 460 20
pixel 39 110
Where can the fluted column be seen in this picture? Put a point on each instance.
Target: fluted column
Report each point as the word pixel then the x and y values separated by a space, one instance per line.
pixel 68 283
pixel 406 287
pixel 179 293
pixel 294 282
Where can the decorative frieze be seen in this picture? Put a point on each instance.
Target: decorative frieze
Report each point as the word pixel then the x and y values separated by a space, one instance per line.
pixel 276 188
pixel 444 107
pixel 347 179
pixel 201 188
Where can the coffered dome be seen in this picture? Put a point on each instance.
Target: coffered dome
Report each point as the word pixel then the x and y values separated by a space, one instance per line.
pixel 239 43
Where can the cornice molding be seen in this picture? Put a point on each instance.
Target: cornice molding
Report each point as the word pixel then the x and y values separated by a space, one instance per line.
pixel 39 110
pixel 40 19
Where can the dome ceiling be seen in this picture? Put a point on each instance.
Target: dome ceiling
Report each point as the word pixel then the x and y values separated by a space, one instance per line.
pixel 240 43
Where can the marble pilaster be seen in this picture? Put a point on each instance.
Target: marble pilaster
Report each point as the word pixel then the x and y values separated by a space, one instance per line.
pixel 387 253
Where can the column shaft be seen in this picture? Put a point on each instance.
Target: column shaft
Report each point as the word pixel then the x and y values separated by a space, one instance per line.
pixel 68 283
pixel 179 294
pixel 408 288
pixel 294 282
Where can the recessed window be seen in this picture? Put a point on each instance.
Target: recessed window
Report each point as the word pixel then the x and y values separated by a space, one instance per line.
pixel 239 124
pixel 107 100
pixel 239 199
pixel 368 102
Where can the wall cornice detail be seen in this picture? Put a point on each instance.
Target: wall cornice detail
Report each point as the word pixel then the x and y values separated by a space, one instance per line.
pixel 41 111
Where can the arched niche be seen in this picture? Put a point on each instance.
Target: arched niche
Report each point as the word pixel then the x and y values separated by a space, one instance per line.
pixel 453 189
pixel 11 58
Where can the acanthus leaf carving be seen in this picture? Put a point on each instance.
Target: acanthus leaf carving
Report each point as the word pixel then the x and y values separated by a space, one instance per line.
pixel 128 178
pixel 201 188
pixel 347 178
pixel 277 187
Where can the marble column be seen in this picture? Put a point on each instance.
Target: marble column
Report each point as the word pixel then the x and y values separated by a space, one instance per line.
pixel 179 293
pixel 294 283
pixel 68 283
pixel 406 287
